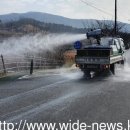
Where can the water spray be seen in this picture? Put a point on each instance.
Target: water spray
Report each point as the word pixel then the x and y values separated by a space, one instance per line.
pixel 36 43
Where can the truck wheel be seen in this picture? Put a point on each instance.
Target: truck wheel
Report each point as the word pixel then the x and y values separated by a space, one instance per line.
pixel 112 68
pixel 122 62
pixel 87 73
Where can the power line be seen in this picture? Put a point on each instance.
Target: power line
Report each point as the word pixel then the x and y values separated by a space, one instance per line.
pixel 101 10
pixel 91 5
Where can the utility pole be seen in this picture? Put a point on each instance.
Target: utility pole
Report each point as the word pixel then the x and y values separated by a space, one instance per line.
pixel 115 28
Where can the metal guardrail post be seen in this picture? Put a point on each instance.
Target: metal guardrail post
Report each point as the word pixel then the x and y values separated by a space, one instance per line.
pixel 17 66
pixel 40 63
pixel 31 67
pixel 4 68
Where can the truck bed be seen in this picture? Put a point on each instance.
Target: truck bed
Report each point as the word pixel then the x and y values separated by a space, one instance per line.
pixel 97 55
pixel 98 60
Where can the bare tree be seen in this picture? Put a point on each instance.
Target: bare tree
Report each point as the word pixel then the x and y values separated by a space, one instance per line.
pixel 106 26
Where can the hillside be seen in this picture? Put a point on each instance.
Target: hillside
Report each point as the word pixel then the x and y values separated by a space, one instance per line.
pixel 28 25
pixel 49 18
pixel 43 17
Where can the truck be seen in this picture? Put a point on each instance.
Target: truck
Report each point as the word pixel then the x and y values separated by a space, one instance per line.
pixel 100 54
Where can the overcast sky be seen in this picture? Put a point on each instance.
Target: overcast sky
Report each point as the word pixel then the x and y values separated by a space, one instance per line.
pixel 70 8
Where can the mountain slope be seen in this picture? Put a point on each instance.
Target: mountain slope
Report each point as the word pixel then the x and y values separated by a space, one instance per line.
pixel 45 17
pixel 49 18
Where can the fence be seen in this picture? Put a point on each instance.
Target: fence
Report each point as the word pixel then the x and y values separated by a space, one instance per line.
pixel 17 64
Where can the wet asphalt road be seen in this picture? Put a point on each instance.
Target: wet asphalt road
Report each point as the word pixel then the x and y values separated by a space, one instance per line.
pixel 66 95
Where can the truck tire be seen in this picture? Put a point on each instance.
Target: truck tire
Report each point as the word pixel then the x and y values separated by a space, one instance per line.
pixel 112 68
pixel 123 61
pixel 87 73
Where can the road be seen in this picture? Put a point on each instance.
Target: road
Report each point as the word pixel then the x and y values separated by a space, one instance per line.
pixel 66 95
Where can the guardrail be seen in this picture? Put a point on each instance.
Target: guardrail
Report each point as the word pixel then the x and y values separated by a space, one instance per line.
pixel 16 64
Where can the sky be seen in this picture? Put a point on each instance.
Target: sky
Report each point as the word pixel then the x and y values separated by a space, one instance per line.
pixel 70 8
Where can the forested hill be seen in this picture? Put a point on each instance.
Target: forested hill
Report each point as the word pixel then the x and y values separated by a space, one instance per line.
pixel 27 25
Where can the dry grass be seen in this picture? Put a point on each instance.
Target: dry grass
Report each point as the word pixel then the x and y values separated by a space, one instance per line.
pixel 69 58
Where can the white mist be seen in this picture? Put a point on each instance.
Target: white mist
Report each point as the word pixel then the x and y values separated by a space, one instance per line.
pixel 35 43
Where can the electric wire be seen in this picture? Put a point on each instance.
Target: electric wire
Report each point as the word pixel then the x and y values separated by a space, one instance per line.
pixel 101 10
